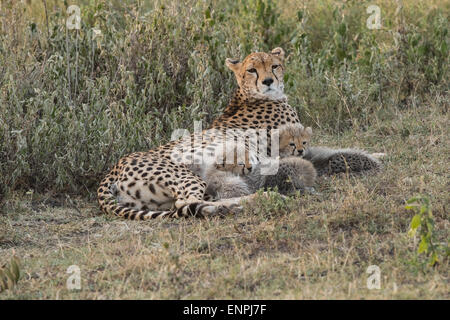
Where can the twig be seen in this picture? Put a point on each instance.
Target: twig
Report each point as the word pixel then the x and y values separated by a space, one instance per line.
pixel 46 18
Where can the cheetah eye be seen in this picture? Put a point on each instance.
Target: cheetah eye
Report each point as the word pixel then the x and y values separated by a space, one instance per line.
pixel 292 144
pixel 252 70
pixel 304 143
pixel 275 66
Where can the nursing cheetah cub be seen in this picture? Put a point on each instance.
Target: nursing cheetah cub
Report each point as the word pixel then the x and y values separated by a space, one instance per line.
pixel 294 173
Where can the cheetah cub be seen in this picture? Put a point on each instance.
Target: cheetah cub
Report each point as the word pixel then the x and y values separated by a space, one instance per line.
pixel 329 161
pixel 294 173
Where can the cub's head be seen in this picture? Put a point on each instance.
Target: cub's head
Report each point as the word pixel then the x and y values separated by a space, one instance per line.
pixel 294 140
pixel 260 74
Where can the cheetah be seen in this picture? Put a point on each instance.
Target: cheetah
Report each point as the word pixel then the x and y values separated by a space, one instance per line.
pixel 329 161
pixel 166 182
pixel 294 173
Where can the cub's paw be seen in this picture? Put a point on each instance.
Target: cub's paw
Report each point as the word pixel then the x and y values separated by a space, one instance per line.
pixel 379 155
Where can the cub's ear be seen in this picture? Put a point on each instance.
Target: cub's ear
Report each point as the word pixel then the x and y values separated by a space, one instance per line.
pixel 233 64
pixel 279 53
pixel 308 130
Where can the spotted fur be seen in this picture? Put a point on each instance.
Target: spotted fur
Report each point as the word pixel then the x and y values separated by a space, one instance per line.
pixel 329 161
pixel 293 173
pixel 156 183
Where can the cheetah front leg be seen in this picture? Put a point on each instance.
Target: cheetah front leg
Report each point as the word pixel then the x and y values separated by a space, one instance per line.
pixel 147 188
pixel 190 194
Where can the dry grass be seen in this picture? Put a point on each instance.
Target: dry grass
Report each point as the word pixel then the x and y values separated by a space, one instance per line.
pixel 315 247
pixel 159 66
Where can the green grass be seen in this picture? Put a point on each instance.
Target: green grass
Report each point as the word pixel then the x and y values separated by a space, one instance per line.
pixel 316 247
pixel 160 67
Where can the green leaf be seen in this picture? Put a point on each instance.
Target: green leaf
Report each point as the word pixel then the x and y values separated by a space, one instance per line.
pixel 342 29
pixel 433 259
pixel 415 222
pixel 429 227
pixel 413 199
pixel 423 246
pixel 208 14
pixel 444 48
pixel 423 209
pixel 15 269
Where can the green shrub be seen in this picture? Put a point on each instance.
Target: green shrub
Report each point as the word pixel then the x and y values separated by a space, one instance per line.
pixel 423 221
pixel 72 103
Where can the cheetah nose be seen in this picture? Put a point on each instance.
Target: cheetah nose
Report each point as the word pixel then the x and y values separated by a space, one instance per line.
pixel 300 152
pixel 268 81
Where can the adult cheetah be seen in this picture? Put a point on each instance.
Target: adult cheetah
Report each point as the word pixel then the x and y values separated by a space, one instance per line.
pixel 159 182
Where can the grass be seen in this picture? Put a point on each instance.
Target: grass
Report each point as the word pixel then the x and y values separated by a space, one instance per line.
pixel 318 247
pixel 71 105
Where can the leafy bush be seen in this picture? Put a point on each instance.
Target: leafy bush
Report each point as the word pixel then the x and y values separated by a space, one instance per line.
pixel 424 222
pixel 73 101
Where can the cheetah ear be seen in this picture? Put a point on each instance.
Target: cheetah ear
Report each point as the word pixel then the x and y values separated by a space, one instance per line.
pixel 233 64
pixel 279 53
pixel 308 130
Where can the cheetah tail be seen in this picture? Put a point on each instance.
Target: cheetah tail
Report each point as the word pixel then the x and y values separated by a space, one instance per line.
pixel 106 195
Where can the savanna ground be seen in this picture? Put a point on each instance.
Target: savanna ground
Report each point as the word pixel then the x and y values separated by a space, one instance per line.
pixel 72 102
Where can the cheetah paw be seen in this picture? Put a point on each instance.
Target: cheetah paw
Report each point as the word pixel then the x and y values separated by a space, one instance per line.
pixel 379 155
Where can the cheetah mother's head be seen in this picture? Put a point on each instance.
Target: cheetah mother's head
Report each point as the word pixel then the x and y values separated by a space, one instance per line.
pixel 260 75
